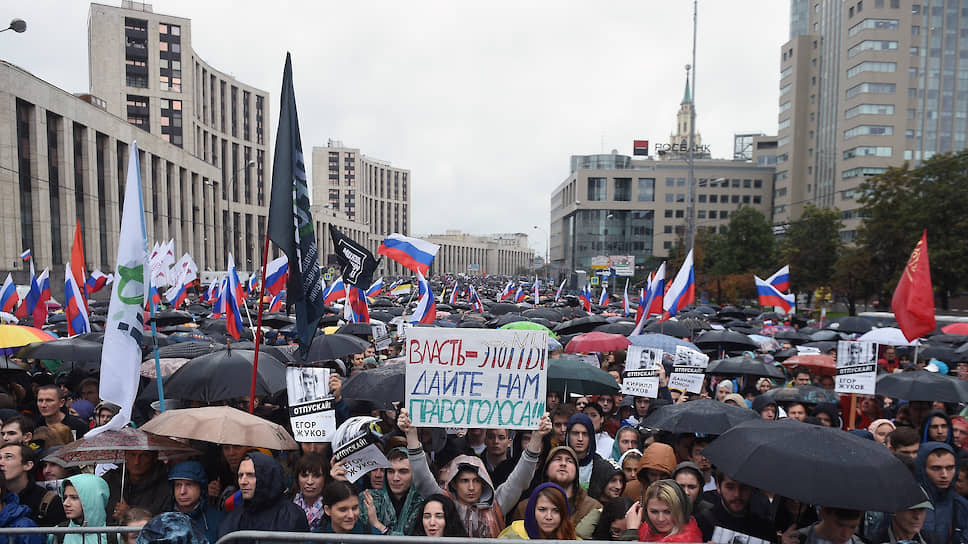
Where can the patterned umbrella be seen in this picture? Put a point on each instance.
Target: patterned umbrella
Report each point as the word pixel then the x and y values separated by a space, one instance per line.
pixel 110 446
pixel 14 336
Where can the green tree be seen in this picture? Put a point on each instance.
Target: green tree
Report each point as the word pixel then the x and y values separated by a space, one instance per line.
pixel 811 247
pixel 749 245
pixel 851 281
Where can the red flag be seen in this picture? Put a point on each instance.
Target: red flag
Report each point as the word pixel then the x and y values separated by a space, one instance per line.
pixel 77 263
pixel 913 301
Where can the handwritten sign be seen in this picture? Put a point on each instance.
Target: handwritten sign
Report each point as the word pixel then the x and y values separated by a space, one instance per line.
pixel 476 378
pixel 688 370
pixel 355 448
pixel 641 376
pixel 311 412
pixel 856 367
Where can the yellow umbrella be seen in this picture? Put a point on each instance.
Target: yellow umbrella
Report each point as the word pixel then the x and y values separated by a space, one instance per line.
pixel 15 336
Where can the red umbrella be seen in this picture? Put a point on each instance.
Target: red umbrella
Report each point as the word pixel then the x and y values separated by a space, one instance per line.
pixel 955 328
pixel 823 365
pixel 597 342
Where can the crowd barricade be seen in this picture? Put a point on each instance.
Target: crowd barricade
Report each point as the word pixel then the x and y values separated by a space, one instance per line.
pixel 368 539
pixel 7 534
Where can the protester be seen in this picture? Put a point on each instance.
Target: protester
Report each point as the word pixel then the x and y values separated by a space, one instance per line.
pixel 85 499
pixel 609 524
pixel 732 514
pixel 959 431
pixel 134 517
pixel 904 441
pixel 17 430
pixel 630 463
pixel 906 525
pixel 145 484
pixel 189 491
pixel 342 508
pixel 263 506
pixel 657 463
pixel 171 528
pixel 626 438
pixel 395 508
pixel 689 477
pixel 593 470
pixel 603 441
pixel 614 486
pixel 765 406
pixel 310 473
pixel 13 514
pixel 936 427
pixel 50 408
pixel 667 515
pixel 936 470
pixel 880 429
pixel 438 516
pixel 559 421
pixel 497 449
pixel 561 468
pixel 797 411
pixel 17 465
pixel 546 516
pixel 836 526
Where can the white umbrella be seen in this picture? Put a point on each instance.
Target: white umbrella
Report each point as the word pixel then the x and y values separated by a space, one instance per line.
pixel 890 336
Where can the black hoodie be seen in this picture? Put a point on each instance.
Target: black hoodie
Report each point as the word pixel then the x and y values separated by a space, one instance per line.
pixel 268 509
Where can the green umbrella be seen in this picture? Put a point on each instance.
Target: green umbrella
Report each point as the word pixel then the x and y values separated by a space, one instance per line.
pixel 528 326
pixel 569 375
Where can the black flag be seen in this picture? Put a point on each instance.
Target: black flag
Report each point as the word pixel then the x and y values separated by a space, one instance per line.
pixel 356 263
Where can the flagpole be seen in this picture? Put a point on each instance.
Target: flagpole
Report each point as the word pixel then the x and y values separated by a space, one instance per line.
pixel 154 339
pixel 258 327
pixel 247 314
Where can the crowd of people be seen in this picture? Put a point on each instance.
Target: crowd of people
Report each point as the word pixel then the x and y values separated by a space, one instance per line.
pixel 592 469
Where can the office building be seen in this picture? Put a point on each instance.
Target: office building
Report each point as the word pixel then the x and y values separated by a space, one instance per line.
pixel 474 255
pixel 866 85
pixel 143 66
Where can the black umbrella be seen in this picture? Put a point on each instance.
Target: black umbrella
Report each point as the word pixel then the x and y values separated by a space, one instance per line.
pixel 362 330
pixel 825 336
pixel 542 322
pixel 744 366
pixel 580 325
pixel 731 312
pixel 326 347
pixel 943 352
pixel 382 302
pixel 823 346
pixel 167 318
pixel 332 320
pixel 793 337
pixel 622 327
pixel 63 349
pixel 381 386
pixel 785 354
pixel 770 316
pixel 444 307
pixel 471 324
pixel 705 416
pixel 216 329
pixel 846 471
pixel 809 394
pixel 276 320
pixel 851 325
pixel 922 385
pixel 381 315
pixel 724 340
pixel 504 319
pixel 225 375
pixel 188 350
pixel 550 314
pixel 501 308
pixel 671 328
pixel 956 339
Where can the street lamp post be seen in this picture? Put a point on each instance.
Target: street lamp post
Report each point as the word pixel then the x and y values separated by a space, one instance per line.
pixel 17 25
pixel 547 248
pixel 230 190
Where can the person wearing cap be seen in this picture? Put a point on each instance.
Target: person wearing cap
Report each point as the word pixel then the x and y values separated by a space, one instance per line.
pixel 735 399
pixel 936 469
pixel 561 469
pixel 905 525
pixel 189 490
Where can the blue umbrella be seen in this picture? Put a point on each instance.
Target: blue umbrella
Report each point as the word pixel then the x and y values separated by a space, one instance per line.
pixel 661 341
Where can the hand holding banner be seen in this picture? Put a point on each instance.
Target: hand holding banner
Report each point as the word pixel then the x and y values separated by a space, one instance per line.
pixel 688 370
pixel 642 372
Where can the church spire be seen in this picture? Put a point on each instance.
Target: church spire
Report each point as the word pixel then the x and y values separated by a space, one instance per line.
pixel 686 98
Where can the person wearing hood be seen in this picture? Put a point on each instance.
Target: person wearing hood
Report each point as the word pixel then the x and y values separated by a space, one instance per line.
pixel 13 514
pixel 765 406
pixel 189 491
pixel 480 505
pixel 936 469
pixel 561 469
pixel 593 470
pixel 546 516
pixel 172 528
pixel 936 427
pixel 826 412
pixel 689 477
pixel 85 499
pixel 658 462
pixel 263 506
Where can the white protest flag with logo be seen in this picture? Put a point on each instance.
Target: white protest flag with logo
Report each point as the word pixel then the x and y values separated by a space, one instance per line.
pixel 856 367
pixel 688 370
pixel 121 357
pixel 641 376
pixel 186 271
pixel 354 447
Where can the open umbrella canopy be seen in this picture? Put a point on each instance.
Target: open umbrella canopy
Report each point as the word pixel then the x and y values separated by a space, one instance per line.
pixel 221 425
pixel 705 416
pixel 661 341
pixel 63 349
pixel 551 314
pixel 743 366
pixel 956 328
pixel 501 308
pixel 818 364
pixel 791 336
pixel 809 394
pixel 922 385
pixel 362 330
pixel 943 352
pixel 620 327
pixel 581 324
pixel 851 324
pixel 168 366
pixel 846 471
pixel 891 336
pixel 724 340
pixel 326 347
pixel 15 336
pixel 381 386
pixel 824 336
pixel 277 319
pixel 111 446
pixel 528 326
pixel 569 375
pixel 225 375
pixel 952 339
pixel 167 318
pixel 597 342
pixel 672 328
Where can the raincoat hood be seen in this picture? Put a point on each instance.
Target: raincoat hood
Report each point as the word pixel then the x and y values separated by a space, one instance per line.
pixel 530 522
pixel 94 493
pixel 762 401
pixel 268 482
pixel 927 421
pixel 920 472
pixel 171 528
pixel 938 521
pixel 471 463
pixel 657 456
pixel 194 471
pixel 582 419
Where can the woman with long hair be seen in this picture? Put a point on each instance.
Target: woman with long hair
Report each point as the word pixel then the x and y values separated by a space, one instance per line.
pixel 668 515
pixel 611 524
pixel 438 517
pixel 310 472
pixel 342 507
pixel 547 516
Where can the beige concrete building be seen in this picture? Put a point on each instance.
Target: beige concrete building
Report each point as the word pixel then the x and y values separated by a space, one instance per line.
pixel 143 66
pixel 866 85
pixel 474 255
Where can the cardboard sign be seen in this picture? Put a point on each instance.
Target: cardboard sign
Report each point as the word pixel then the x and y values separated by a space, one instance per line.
pixel 641 376
pixel 588 358
pixel 476 377
pixel 311 412
pixel 355 448
pixel 688 370
pixel 856 367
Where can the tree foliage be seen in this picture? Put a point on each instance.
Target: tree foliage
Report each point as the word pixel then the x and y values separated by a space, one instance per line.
pixel 811 247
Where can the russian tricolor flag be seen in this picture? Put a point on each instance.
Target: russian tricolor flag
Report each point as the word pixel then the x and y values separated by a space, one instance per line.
pixel 336 291
pixel 96 281
pixel 210 294
pixel 771 296
pixel 77 319
pixel 655 292
pixel 476 301
pixel 520 294
pixel 453 296
pixel 506 292
pixel 537 292
pixel 603 300
pixel 176 295
pixel 25 255
pixel 233 317
pixel 412 253
pixel 682 292
pixel 276 272
pixel 625 299
pixel 375 289
pixel 781 279
pixel 252 283
pixel 218 306
pixel 426 310
pixel 585 295
pixel 560 289
pixel 355 309
pixel 8 295
pixel 277 301
pixel 43 289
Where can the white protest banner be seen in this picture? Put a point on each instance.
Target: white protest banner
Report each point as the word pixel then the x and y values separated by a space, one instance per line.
pixel 476 377
pixel 355 448
pixel 688 370
pixel 311 410
pixel 856 367
pixel 641 376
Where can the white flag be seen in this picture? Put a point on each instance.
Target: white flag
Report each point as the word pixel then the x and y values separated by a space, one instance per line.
pixel 121 357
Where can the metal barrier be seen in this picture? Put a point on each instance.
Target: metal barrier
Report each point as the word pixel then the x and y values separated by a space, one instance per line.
pixel 9 533
pixel 366 539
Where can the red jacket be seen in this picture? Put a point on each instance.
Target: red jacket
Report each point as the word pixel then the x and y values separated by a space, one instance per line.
pixel 690 533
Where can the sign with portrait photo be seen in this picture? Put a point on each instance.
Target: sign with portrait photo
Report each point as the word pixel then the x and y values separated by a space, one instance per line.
pixel 311 412
pixel 641 376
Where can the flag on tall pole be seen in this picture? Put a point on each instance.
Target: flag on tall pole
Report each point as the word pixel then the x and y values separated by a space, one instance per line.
pixel 74 309
pixel 121 358
pixel 426 310
pixel 96 281
pixel 560 289
pixel 682 292
pixel 780 279
pixel 625 299
pixel 290 220
pixel 39 311
pixel 30 299
pixel 771 296
pixel 356 262
pixel 77 264
pixel 8 295
pixel 656 291
pixel 537 292
pixel 913 300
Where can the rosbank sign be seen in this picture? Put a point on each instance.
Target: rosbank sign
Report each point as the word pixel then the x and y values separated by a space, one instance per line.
pixel 641 147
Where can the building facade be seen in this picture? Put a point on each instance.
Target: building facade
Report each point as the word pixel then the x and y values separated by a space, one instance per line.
pixel 495 254
pixel 143 66
pixel 866 85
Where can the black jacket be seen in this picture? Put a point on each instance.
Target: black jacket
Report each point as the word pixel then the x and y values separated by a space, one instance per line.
pixel 32 496
pixel 268 509
pixel 748 524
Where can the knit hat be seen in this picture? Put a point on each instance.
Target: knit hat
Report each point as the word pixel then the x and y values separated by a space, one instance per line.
pixel 878 422
pixel 730 388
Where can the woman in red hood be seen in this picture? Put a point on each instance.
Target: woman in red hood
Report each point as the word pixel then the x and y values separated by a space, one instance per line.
pixel 668 515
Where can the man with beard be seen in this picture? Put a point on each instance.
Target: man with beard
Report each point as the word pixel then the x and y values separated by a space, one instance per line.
pixel 562 469
pixel 731 514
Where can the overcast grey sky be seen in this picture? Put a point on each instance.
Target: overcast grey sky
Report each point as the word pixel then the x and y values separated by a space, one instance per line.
pixel 483 101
